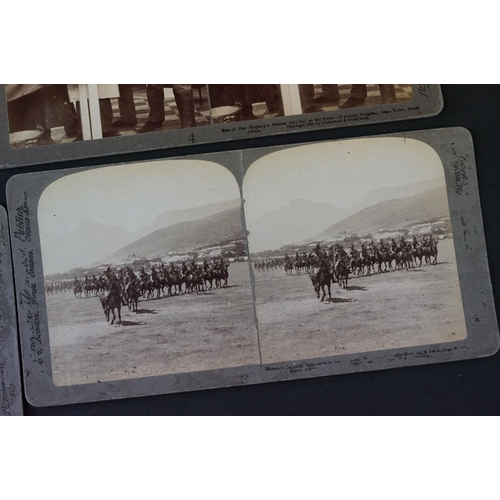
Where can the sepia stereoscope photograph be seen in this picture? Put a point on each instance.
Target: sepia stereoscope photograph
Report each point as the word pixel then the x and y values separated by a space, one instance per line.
pixel 146 272
pixel 250 266
pixel 352 249
pixel 41 115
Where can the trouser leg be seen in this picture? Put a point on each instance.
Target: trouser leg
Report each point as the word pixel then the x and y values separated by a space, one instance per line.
pixel 156 102
pixel 306 91
pixel 388 93
pixel 184 99
pixel 330 91
pixel 359 91
pixel 243 93
pixel 273 98
pixel 357 97
pixel 127 105
pixel 106 110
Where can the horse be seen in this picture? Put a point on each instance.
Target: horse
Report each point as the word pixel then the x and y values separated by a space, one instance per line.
pixel 418 253
pixel 431 254
pixel 78 290
pixel 132 297
pixel 221 275
pixel 208 278
pixel 112 301
pixel 320 280
pixel 342 272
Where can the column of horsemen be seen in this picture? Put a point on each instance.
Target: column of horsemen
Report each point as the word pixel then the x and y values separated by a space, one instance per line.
pixel 327 265
pixel 167 280
pixel 125 287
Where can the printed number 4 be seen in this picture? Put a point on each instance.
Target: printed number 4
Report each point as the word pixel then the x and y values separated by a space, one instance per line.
pixel 191 139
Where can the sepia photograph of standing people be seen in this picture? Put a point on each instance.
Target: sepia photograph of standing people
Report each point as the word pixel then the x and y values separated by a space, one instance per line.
pixel 41 115
pixel 149 278
pixel 352 249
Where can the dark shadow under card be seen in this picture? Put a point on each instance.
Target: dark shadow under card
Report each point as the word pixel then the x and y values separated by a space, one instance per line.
pixel 11 402
pixel 368 253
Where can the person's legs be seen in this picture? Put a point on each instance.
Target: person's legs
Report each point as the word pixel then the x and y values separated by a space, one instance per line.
pixel 183 94
pixel 243 93
pixel 388 93
pixel 128 116
pixel 156 101
pixel 359 91
pixel 306 91
pixel 358 95
pixel 106 110
pixel 329 95
pixel 273 98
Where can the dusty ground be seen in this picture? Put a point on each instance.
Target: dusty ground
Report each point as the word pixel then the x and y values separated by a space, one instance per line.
pixel 168 335
pixel 217 329
pixel 392 310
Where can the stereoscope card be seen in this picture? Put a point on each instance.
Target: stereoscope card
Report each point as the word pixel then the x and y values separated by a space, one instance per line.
pixel 49 123
pixel 250 266
pixel 10 371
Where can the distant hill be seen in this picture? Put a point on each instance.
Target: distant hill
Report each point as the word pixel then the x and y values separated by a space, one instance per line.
pixel 392 214
pixel 385 193
pixel 213 230
pixel 300 220
pixel 176 216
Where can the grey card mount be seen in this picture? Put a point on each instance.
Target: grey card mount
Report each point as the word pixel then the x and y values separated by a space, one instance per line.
pixel 50 123
pixel 250 266
pixel 11 402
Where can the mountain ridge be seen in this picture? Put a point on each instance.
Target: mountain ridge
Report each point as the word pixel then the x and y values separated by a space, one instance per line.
pixel 392 214
pixel 213 230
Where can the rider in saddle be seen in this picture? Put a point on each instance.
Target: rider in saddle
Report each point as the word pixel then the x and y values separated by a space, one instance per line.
pixel 323 263
pixel 318 251
pixel 354 252
pixel 154 273
pixel 110 275
pixel 184 268
pixel 394 245
pixel 415 242
pixel 131 275
pixel 144 275
pixel 206 265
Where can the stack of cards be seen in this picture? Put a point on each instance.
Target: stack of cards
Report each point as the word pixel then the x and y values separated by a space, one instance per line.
pixel 247 266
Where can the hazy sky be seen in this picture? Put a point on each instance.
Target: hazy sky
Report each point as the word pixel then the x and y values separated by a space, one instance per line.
pixel 132 196
pixel 339 173
pixel 129 197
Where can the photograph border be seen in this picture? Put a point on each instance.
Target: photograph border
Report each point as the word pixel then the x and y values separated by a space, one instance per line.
pixel 427 101
pixel 455 148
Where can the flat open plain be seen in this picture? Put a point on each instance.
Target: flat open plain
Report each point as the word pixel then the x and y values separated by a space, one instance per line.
pixel 215 329
pixel 383 311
